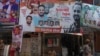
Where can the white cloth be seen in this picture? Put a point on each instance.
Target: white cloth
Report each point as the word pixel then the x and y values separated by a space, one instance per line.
pixel 27 28
pixel 34 15
pixel 6 50
pixel 9 9
pixel 1 5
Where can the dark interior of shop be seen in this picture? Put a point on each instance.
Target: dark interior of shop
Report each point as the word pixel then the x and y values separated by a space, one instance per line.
pixel 6 34
pixel 72 43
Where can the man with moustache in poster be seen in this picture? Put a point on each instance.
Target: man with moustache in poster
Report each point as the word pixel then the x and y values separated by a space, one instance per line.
pixel 75 27
pixel 29 26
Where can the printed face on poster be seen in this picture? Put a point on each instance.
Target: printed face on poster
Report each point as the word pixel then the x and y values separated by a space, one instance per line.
pixel 53 17
pixel 91 15
pixel 9 12
pixel 17 36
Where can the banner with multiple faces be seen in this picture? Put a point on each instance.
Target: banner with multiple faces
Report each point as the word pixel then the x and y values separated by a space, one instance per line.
pixel 52 17
pixel 91 15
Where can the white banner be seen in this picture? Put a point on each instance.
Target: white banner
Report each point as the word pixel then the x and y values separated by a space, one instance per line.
pixel 17 36
pixel 53 17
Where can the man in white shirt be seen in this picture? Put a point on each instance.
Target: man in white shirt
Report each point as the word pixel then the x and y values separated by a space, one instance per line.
pixel 29 26
pixel 24 11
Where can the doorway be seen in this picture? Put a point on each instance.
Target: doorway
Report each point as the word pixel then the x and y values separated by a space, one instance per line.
pixel 51 44
pixel 31 45
pixel 71 45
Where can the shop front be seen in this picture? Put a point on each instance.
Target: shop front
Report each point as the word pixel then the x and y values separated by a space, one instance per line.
pixel 52 44
pixel 47 24
pixel 62 44
pixel 45 29
pixel 49 28
pixel 31 44
pixel 91 25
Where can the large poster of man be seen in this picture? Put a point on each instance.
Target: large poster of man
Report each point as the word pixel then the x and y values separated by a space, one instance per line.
pixel 9 12
pixel 54 17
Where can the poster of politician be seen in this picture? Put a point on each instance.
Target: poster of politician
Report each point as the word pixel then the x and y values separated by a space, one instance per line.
pixel 91 15
pixel 17 35
pixel 9 12
pixel 53 17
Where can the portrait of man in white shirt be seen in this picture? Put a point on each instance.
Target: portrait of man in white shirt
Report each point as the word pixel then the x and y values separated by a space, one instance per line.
pixel 29 26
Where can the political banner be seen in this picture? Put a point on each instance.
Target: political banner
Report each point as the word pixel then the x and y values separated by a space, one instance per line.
pixel 53 17
pixel 9 12
pixel 90 15
pixel 17 35
pixel 87 13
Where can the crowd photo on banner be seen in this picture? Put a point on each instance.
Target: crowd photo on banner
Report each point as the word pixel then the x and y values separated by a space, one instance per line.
pixel 91 15
pixel 50 16
pixel 9 11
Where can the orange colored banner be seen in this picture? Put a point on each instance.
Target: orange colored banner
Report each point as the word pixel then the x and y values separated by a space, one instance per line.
pixel 50 30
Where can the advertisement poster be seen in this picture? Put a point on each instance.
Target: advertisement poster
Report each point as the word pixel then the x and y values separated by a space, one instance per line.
pixel 91 15
pixel 53 17
pixel 9 12
pixel 17 35
pixel 87 13
pixel 96 16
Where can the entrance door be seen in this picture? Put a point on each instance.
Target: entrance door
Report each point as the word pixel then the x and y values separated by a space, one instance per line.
pixel 71 45
pixel 31 45
pixel 97 42
pixel 51 44
pixel 26 47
